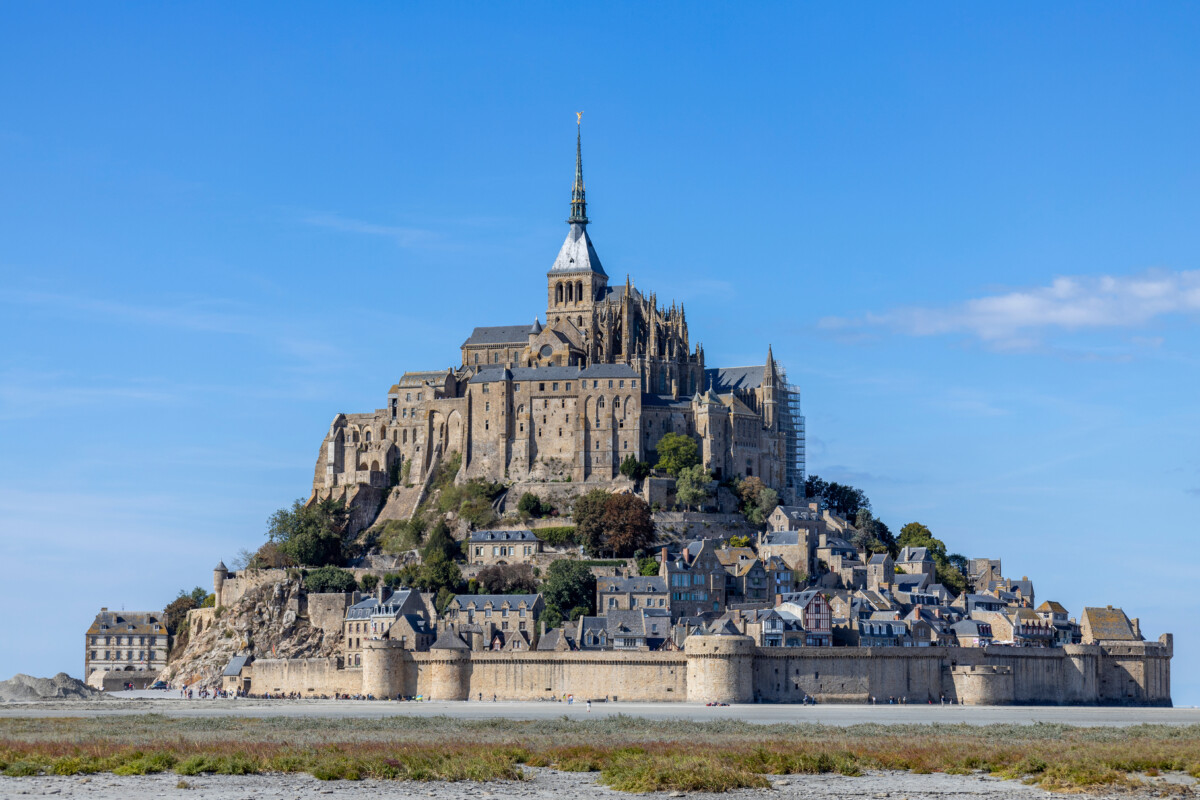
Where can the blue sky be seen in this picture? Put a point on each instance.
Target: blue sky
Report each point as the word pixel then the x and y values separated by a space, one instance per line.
pixel 969 233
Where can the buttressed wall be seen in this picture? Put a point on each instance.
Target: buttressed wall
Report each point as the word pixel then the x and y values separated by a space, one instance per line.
pixel 731 669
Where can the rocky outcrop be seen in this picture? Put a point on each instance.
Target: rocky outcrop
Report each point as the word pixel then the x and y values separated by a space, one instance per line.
pixel 266 622
pixel 28 689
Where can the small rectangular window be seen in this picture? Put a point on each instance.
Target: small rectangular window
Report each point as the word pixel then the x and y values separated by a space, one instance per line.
pixel 610 384
pixel 554 387
pixel 622 384
pixel 516 387
pixel 567 386
pixel 541 387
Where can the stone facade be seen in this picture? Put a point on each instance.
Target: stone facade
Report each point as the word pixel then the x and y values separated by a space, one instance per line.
pixel 608 375
pixel 125 641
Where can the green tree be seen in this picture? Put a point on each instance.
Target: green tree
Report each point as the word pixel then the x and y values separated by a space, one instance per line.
pixel 677 452
pixel 914 534
pixel 691 487
pixel 843 500
pixel 647 566
pixel 633 469
pixel 330 579
pixel 569 585
pixel 628 525
pixel 440 541
pixel 530 504
pixel 507 579
pixel 176 611
pixel 439 572
pixel 739 541
pixel 310 534
pixel 368 582
pixel 588 513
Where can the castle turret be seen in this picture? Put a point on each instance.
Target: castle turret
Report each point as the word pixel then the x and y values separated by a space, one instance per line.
pixel 220 573
pixel 449 667
pixel 720 666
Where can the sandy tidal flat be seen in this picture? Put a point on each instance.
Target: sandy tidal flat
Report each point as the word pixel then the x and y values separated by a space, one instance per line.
pixel 544 784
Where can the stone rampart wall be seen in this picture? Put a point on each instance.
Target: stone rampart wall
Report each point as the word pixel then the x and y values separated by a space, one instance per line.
pixel 731 669
pixel 307 676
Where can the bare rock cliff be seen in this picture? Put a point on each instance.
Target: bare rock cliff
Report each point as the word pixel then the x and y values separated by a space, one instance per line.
pixel 267 622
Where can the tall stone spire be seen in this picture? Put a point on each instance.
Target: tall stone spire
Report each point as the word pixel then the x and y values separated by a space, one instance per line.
pixel 578 197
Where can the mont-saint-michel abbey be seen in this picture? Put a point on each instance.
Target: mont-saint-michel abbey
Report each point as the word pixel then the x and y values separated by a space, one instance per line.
pixel 609 372
pixel 515 526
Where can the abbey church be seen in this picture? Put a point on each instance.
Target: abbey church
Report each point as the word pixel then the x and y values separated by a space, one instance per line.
pixel 608 374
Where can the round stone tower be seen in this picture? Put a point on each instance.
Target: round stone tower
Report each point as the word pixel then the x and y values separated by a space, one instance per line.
pixel 380 677
pixel 449 668
pixel 219 576
pixel 720 668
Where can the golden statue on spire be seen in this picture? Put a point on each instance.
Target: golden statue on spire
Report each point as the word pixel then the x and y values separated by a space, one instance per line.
pixel 578 117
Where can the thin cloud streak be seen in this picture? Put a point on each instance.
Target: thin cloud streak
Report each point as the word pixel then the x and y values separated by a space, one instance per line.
pixel 1017 320
pixel 403 236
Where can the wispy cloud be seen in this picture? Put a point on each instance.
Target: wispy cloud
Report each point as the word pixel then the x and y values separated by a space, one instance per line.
pixel 1019 319
pixel 402 235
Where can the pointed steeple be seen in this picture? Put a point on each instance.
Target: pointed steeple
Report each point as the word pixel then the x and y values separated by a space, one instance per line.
pixel 578 196
pixel 770 372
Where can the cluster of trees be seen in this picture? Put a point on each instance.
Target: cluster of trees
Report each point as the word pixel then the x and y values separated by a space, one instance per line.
pixel 873 534
pixel 507 579
pixel 633 469
pixel 951 568
pixel 612 525
pixel 843 500
pixel 305 535
pixel 531 505
pixel 677 452
pixel 568 592
pixel 756 499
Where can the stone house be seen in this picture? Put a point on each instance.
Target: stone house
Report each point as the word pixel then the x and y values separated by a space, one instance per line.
pixel 781 578
pixel 125 641
pixel 881 572
pixel 495 612
pixel 883 633
pixel 503 547
pixel 1066 630
pixel 626 594
pixel 972 633
pixel 796 548
pixel 916 561
pixel 1108 624
pixel 1020 627
pixel 696 581
pixel 399 616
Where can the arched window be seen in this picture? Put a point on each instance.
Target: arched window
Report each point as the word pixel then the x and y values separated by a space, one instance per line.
pixel 368 435
pixel 616 402
pixel 570 293
pixel 404 436
pixel 356 437
pixel 600 403
pixel 558 294
pixel 579 291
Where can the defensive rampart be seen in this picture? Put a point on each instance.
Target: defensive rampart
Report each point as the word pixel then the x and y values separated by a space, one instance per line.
pixel 731 669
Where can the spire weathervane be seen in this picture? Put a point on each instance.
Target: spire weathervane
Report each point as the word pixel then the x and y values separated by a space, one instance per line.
pixel 578 197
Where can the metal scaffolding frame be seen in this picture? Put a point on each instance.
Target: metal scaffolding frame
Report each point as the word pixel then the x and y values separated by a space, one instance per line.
pixel 792 424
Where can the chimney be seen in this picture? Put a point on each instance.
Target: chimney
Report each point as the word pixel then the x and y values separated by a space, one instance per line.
pixel 542 627
pixel 381 591
pixel 1137 627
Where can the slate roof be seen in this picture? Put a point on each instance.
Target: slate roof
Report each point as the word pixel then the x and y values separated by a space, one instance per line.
pixel 494 374
pixel 235 665
pixel 504 536
pixel 664 401
pixel 497 600
pixel 724 379
pixel 781 537
pixel 371 607
pixel 449 640
pixel 1109 623
pixel 909 554
pixel 968 627
pixel 499 334
pixel 577 254
pixel 635 584
pixel 878 558
pixel 1052 606
pixel 128 622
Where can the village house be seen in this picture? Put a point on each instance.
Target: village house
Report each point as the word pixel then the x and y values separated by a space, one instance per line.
pixel 972 633
pixel 503 547
pixel 696 581
pixel 125 641
pixel 1066 630
pixel 399 616
pixel 625 594
pixel 814 613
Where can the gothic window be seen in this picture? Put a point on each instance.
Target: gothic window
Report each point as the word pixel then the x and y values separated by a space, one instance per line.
pixel 616 402
pixel 570 293
pixel 521 409
pixel 404 437
pixel 368 435
pixel 558 294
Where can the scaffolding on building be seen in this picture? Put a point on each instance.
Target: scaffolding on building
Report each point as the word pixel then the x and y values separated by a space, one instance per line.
pixel 792 424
